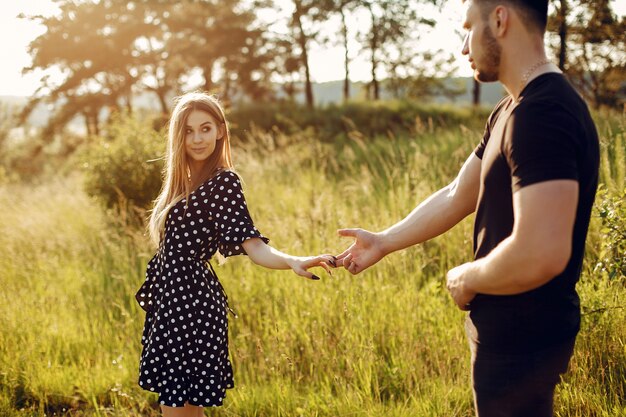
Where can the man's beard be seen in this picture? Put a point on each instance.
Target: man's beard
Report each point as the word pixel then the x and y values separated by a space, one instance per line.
pixel 488 71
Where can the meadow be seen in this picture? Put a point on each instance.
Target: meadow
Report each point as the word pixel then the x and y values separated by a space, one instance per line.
pixel 387 342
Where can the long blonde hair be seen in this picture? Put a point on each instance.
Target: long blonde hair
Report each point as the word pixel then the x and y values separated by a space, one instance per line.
pixel 176 174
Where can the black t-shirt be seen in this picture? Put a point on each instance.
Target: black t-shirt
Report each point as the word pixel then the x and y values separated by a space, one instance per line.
pixel 547 135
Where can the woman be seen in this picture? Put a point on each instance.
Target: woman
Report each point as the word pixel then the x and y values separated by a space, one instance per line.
pixel 201 209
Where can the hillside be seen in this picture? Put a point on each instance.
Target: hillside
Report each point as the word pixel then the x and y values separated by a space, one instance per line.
pixel 324 93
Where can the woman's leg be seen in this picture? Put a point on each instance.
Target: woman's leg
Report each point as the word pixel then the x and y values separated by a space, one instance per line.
pixel 186 411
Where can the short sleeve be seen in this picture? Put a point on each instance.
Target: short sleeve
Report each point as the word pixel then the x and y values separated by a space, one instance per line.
pixel 480 148
pixel 229 211
pixel 541 144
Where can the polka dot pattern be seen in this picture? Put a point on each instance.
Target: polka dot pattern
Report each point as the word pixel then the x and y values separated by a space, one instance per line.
pixel 185 337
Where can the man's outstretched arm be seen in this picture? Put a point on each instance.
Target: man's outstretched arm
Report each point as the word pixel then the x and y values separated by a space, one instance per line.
pixel 434 216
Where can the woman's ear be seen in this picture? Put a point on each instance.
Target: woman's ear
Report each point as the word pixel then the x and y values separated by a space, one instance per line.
pixel 221 131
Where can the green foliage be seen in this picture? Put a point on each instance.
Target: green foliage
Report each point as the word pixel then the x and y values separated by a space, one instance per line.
pixel 123 166
pixel 370 118
pixel 126 165
pixel 109 50
pixel 612 254
pixel 591 47
pixel 388 342
pixel 26 156
pixel 613 157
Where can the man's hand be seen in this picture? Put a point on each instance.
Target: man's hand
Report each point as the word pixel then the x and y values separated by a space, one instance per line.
pixel 457 285
pixel 363 253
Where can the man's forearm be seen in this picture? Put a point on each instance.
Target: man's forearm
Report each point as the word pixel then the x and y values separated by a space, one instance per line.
pixel 434 216
pixel 511 268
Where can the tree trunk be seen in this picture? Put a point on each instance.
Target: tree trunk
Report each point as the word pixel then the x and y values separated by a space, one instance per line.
pixel 207 73
pixel 476 93
pixel 227 88
pixel 346 81
pixel 375 85
pixel 374 48
pixel 129 104
pixel 90 123
pixel 161 94
pixel 563 34
pixel 87 125
pixel 302 40
pixel 96 123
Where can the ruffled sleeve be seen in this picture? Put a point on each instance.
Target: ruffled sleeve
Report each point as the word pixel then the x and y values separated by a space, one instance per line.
pixel 229 212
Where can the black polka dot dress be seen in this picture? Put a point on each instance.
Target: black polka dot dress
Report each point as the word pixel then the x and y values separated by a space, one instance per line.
pixel 185 337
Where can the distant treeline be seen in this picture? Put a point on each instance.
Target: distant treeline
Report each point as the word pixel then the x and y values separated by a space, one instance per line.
pixel 111 50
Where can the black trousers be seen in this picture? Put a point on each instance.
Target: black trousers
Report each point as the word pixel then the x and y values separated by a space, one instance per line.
pixel 517 384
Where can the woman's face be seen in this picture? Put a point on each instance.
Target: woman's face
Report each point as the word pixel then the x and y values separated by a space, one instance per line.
pixel 201 135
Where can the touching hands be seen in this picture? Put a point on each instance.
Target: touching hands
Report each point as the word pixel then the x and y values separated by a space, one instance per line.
pixel 364 252
pixel 367 249
pixel 300 264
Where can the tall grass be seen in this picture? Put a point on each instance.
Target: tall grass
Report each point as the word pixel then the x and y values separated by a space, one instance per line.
pixel 388 342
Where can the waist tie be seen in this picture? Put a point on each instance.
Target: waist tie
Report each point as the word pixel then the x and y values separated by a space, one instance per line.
pixel 222 289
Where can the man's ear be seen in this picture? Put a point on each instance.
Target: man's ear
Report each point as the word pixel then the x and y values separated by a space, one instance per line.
pixel 500 20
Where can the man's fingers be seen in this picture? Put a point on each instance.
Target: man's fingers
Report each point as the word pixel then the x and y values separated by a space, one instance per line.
pixel 353 268
pixel 339 258
pixel 346 260
pixel 347 232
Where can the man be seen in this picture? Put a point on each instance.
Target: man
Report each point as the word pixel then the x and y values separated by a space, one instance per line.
pixel 532 182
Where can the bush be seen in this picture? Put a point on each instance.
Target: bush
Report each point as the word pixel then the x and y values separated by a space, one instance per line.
pixel 126 165
pixel 369 118
pixel 612 255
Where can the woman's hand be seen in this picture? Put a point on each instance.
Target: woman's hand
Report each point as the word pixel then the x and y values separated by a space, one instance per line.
pixel 263 254
pixel 300 264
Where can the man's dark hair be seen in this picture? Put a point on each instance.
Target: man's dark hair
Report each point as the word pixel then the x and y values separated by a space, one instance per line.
pixel 535 12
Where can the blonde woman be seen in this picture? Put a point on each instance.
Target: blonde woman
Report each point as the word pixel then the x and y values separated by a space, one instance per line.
pixel 201 209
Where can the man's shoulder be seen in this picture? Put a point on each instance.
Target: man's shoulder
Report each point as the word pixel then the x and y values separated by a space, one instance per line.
pixel 499 109
pixel 552 92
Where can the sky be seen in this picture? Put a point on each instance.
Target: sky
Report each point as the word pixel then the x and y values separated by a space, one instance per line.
pixel 326 62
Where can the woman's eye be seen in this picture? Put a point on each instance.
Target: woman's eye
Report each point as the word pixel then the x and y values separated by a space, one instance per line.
pixel 206 129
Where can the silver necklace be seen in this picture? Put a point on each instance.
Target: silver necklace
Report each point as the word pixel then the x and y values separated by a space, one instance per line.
pixel 531 71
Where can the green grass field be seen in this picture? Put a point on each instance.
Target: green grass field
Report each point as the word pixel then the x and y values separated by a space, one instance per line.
pixel 388 342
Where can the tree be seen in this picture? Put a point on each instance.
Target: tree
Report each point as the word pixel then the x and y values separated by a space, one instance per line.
pixel 160 71
pixel 342 8
pixel 592 50
pixel 476 93
pixel 393 43
pixel 287 65
pixel 561 22
pixel 108 50
pixel 392 23
pixel 223 40
pixel 93 44
pixel 304 10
